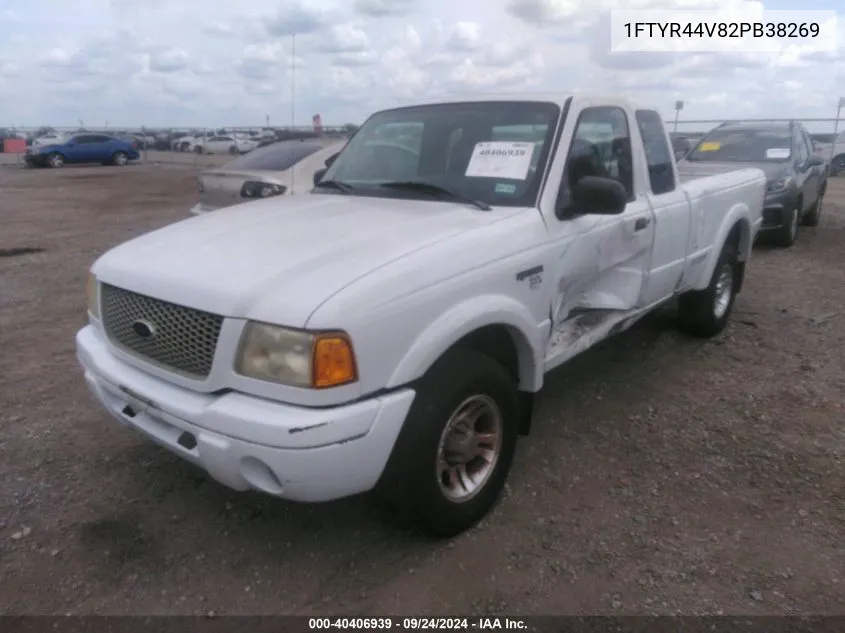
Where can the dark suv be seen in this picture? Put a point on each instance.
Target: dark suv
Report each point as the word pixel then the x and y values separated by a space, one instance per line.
pixel 797 176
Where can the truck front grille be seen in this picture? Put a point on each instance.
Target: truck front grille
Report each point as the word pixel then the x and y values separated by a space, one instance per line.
pixel 170 335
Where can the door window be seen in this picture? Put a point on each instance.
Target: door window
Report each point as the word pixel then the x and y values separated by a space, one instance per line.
pixel 601 146
pixel 659 156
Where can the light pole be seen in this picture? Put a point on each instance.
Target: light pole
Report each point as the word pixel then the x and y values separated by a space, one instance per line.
pixel 838 112
pixel 679 105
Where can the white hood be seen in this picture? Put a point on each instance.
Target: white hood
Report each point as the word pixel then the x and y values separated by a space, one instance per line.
pixel 277 260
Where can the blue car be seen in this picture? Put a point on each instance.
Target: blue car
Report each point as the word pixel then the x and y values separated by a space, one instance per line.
pixel 83 148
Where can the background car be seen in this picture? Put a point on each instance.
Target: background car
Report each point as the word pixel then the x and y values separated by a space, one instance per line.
pixel 681 145
pixel 832 149
pixel 48 138
pixel 283 168
pixel 83 148
pixel 229 144
pixel 797 176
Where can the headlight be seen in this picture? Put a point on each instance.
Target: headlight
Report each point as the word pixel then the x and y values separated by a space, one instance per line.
pixel 778 185
pixel 93 291
pixel 295 357
pixel 261 190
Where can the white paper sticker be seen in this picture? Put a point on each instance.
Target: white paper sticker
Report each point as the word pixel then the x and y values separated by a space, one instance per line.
pixel 777 152
pixel 509 161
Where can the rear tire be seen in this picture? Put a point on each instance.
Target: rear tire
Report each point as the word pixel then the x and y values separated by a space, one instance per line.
pixel 56 160
pixel 462 388
pixel 837 165
pixel 786 235
pixel 233 149
pixel 120 159
pixel 705 313
pixel 198 149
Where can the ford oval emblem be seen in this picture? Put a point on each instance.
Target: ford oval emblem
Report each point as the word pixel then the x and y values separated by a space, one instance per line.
pixel 144 329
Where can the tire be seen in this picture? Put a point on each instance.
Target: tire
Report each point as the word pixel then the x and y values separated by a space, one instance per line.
pixel 705 313
pixel 812 217
pixel 56 160
pixel 837 165
pixel 120 159
pixel 413 481
pixel 198 149
pixel 233 149
pixel 786 235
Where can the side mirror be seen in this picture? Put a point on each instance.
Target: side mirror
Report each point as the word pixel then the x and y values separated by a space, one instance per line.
pixel 815 161
pixel 318 176
pixel 331 159
pixel 596 195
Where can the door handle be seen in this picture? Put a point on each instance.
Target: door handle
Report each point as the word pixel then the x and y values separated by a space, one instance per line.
pixel 641 224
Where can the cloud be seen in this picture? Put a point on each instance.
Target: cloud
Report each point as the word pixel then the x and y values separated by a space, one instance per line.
pixel 184 63
pixel 384 8
pixel 295 17
pixel 169 60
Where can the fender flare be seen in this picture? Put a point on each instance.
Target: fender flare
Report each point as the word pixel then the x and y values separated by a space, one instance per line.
pixel 465 318
pixel 737 214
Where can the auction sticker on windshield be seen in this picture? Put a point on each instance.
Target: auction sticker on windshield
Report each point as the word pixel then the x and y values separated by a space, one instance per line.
pixel 710 147
pixel 510 161
pixel 777 152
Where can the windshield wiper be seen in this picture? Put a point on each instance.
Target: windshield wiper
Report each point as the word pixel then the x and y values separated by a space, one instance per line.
pixel 336 184
pixel 429 187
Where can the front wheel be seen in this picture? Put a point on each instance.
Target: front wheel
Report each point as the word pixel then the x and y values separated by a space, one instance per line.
pixel 450 463
pixel 198 149
pixel 786 235
pixel 837 165
pixel 56 160
pixel 233 149
pixel 705 313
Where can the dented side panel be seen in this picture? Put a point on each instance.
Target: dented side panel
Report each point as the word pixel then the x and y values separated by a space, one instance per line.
pixel 599 276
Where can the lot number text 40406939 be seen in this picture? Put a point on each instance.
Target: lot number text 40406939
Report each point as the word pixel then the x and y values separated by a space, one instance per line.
pixel 418 624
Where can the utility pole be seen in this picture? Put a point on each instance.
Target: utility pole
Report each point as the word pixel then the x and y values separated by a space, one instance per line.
pixel 292 97
pixel 679 105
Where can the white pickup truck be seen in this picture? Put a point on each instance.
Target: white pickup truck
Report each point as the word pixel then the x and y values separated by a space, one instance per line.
pixel 388 331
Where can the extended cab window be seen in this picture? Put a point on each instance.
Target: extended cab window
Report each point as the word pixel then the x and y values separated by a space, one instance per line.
pixel 601 146
pixel 659 156
pixel 494 152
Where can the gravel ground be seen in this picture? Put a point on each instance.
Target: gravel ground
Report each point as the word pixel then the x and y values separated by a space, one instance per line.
pixel 663 475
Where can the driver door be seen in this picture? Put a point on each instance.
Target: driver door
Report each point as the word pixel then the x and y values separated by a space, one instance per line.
pixel 600 262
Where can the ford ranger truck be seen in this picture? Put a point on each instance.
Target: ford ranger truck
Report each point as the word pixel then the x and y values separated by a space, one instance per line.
pixel 388 331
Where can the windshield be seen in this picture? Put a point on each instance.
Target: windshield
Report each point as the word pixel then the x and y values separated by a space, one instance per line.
pixel 746 145
pixel 493 151
pixel 276 157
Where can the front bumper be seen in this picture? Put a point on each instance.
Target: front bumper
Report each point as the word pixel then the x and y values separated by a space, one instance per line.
pixel 777 208
pixel 291 452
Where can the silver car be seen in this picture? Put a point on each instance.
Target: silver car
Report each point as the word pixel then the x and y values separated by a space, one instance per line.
pixel 283 168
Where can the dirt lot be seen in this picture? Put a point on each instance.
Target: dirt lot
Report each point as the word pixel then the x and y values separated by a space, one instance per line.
pixel 663 475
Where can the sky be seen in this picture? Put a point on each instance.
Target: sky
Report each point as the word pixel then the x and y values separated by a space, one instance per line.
pixel 199 63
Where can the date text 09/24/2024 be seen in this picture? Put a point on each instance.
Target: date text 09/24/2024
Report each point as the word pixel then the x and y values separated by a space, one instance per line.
pixel 417 624
pixel 789 30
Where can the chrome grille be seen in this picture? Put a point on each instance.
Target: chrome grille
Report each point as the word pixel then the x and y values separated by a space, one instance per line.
pixel 181 338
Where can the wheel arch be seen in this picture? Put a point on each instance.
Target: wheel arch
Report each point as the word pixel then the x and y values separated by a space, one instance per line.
pixel 496 326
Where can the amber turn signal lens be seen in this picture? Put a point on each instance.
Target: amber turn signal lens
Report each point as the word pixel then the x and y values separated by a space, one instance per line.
pixel 334 361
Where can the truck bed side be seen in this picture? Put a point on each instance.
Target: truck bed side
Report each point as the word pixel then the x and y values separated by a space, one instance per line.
pixel 717 204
